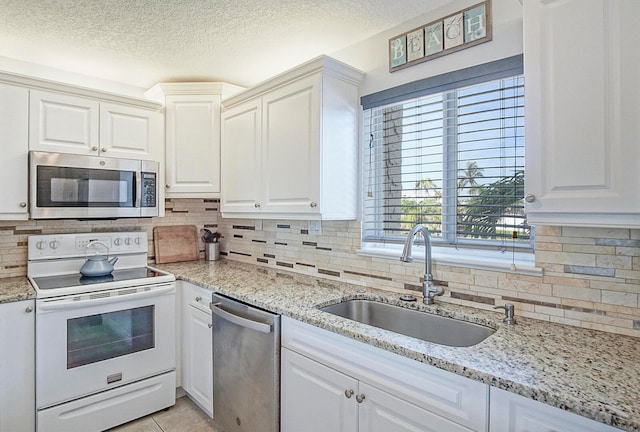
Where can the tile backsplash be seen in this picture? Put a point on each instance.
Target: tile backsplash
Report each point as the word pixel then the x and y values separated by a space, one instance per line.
pixel 591 277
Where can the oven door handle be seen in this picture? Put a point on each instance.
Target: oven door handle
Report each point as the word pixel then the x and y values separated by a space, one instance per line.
pixel 52 304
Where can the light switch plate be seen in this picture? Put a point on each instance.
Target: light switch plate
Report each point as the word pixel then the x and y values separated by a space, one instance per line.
pixel 315 227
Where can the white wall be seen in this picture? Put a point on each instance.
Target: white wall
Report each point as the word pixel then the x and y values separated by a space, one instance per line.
pixel 371 55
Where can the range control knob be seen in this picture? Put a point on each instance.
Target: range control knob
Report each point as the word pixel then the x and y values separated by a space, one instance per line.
pixel 127 241
pixel 117 241
pixel 138 241
pixel 41 244
pixel 54 244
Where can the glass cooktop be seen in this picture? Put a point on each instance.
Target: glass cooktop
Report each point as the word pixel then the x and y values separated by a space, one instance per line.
pixel 76 279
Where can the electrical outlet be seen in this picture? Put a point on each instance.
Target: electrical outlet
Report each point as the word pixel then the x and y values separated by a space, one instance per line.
pixel 315 227
pixel 258 224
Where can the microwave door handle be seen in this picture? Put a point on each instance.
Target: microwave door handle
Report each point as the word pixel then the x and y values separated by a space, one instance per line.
pixel 138 191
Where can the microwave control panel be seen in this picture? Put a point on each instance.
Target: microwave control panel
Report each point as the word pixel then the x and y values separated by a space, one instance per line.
pixel 149 189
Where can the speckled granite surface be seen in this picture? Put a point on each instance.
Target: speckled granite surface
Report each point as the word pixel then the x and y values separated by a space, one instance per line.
pixel 591 373
pixel 15 289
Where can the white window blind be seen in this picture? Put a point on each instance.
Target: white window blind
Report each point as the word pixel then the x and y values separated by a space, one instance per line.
pixel 453 161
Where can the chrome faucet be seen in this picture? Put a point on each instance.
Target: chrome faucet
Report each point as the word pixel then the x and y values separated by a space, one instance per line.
pixel 429 290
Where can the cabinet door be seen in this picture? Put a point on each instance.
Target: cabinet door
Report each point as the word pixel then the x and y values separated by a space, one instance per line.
pixel 513 413
pixel 197 357
pixel 193 146
pixel 240 158
pixel 17 368
pixel 582 109
pixel 14 141
pixel 290 147
pixel 313 397
pixel 381 412
pixel 129 132
pixel 62 123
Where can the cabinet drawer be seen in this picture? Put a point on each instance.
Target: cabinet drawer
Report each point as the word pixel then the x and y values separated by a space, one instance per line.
pixel 196 296
pixel 459 399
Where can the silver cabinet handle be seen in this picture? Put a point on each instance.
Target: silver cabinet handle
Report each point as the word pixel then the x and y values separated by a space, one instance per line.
pixel 313 204
pixel 360 398
pixel 210 325
pixel 167 186
pixel 348 393
pixel 94 148
pixel 256 205
pixel 23 204
pixel 103 150
pixel 198 299
pixel 530 198
pixel 28 309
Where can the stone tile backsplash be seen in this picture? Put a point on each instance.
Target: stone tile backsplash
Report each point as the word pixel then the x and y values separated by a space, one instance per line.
pixel 591 277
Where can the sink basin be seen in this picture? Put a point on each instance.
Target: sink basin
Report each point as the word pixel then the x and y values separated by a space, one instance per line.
pixel 420 325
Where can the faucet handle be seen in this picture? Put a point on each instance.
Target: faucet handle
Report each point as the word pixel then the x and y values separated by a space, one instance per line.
pixel 509 311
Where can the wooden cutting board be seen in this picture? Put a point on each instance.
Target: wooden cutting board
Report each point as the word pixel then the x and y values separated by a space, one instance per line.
pixel 175 243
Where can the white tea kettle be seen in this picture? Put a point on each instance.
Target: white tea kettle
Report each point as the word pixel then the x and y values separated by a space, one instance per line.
pixel 97 265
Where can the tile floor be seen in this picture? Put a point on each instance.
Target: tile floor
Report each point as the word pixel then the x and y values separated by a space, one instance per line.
pixel 184 416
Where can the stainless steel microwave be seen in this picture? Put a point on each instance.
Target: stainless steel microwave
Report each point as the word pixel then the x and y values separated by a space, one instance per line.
pixel 67 186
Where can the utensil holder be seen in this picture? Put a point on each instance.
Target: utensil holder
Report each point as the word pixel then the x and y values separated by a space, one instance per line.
pixel 212 251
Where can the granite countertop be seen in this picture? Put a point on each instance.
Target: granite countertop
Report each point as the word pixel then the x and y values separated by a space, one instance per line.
pixel 15 289
pixel 591 373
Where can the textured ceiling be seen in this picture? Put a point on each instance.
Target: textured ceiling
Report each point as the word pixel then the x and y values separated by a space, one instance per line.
pixel 142 42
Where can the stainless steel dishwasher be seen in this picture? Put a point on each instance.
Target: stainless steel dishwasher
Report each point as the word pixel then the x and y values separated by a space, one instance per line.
pixel 246 367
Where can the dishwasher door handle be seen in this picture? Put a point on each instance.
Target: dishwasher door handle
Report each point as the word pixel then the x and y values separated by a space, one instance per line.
pixel 238 320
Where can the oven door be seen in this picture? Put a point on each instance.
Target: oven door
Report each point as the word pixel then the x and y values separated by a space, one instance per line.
pixel 89 343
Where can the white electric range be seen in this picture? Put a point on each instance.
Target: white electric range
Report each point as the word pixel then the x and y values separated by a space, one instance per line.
pixel 105 345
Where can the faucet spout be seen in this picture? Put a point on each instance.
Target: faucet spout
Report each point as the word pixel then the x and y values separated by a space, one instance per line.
pixel 428 289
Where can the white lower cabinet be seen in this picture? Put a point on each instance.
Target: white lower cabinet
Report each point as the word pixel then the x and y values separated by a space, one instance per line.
pixel 332 383
pixel 380 411
pixel 197 346
pixel 17 366
pixel 313 396
pixel 513 413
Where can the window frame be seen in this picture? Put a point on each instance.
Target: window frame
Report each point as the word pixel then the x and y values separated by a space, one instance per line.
pixel 491 250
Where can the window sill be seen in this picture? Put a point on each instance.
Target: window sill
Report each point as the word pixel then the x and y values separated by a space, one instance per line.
pixel 507 262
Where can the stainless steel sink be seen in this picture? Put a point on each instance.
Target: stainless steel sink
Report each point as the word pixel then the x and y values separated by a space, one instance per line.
pixel 420 325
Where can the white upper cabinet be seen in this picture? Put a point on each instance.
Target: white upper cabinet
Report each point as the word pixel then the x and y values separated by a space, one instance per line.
pixel 582 112
pixel 66 123
pixel 289 145
pixel 241 163
pixel 192 147
pixel 14 141
pixel 130 132
pixel 63 124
